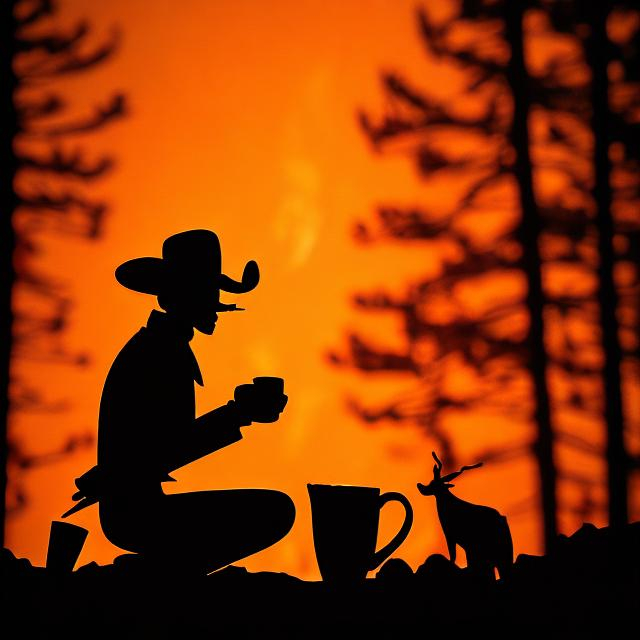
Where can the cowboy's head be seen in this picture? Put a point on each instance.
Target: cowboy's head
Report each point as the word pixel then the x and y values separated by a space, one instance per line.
pixel 188 278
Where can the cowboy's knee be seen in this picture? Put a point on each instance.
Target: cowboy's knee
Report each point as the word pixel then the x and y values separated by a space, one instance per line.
pixel 284 512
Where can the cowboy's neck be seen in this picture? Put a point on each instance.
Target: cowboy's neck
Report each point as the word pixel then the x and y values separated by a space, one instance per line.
pixel 171 323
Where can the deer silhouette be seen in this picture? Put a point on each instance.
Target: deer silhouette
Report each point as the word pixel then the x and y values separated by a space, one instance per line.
pixel 481 531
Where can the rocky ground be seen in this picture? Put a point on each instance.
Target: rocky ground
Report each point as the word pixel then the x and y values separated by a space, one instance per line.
pixel 587 586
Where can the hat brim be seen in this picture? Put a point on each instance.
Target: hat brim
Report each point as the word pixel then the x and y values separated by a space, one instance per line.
pixel 148 275
pixel 145 275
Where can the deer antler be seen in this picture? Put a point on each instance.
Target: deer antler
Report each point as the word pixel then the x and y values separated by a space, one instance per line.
pixel 437 468
pixel 455 474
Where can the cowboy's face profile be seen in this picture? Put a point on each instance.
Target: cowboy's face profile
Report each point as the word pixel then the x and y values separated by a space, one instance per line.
pixel 195 308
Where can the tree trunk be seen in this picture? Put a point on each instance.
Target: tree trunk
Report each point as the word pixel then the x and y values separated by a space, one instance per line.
pixel 529 232
pixel 599 56
pixel 8 130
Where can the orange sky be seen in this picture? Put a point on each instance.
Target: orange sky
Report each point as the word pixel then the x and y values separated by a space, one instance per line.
pixel 242 121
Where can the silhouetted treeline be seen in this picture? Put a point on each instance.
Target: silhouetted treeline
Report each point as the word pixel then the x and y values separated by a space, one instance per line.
pixel 536 298
pixel 43 181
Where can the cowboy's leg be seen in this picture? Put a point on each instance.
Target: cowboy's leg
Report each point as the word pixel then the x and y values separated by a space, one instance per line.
pixel 211 529
pixel 129 520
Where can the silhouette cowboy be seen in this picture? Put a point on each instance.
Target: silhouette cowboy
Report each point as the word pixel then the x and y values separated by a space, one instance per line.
pixel 148 426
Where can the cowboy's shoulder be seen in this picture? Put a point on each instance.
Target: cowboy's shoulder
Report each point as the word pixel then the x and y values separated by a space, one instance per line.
pixel 142 350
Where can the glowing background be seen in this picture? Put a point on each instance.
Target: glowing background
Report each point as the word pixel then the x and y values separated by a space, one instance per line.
pixel 242 121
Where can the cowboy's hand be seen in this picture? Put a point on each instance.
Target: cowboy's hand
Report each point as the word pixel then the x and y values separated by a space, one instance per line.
pixel 258 403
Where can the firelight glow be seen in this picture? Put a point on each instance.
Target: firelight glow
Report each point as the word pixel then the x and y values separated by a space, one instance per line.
pixel 242 121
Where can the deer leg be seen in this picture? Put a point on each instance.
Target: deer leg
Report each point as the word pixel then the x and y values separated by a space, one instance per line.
pixel 479 565
pixel 451 545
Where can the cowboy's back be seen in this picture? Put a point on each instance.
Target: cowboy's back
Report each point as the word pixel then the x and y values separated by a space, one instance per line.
pixel 147 411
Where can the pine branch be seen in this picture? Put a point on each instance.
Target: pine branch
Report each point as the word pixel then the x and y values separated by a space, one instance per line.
pixel 30 399
pixel 436 40
pixel 35 109
pixel 115 108
pixel 30 15
pixel 66 164
pixel 60 55
pixel 20 461
pixel 579 443
pixel 54 43
pixel 91 213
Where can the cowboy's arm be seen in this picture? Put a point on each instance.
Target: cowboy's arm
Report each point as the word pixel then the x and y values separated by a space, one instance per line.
pixel 208 433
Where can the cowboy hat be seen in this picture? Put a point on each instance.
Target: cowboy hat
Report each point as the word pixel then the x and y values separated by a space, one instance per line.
pixel 189 259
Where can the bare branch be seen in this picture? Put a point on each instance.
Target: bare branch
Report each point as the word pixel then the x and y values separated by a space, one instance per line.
pixel 578 478
pixel 66 164
pixel 60 55
pixel 411 112
pixel 27 398
pixel 21 461
pixel 115 108
pixel 578 442
pixel 33 110
pixel 54 43
pixel 506 453
pixel 367 358
pixel 436 39
pixel 27 15
pixel 89 223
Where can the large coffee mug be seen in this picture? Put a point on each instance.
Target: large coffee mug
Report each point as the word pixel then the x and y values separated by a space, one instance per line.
pixel 345 529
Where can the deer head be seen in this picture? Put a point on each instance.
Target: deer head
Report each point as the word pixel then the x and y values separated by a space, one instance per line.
pixel 440 482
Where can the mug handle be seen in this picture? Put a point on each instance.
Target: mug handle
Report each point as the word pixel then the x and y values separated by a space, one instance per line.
pixel 380 556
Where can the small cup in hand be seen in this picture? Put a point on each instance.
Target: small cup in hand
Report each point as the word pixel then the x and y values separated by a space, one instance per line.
pixel 271 384
pixel 262 401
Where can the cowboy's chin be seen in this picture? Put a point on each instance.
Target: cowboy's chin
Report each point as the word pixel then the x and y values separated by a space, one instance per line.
pixel 206 327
